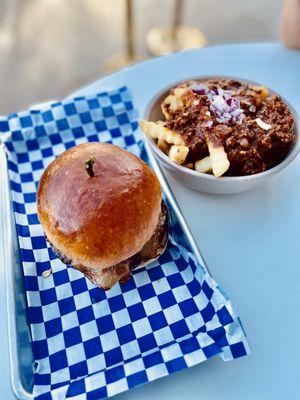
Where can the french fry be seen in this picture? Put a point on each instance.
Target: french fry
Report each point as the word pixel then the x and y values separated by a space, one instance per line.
pixel 189 165
pixel 174 101
pixel 218 158
pixel 178 92
pixel 262 91
pixel 160 132
pixel 178 154
pixel 163 145
pixel 203 165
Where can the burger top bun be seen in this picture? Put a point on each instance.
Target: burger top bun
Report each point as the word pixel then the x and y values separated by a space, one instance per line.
pixel 98 205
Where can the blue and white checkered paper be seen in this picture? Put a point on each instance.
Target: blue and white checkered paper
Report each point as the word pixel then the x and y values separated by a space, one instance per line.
pixel 87 343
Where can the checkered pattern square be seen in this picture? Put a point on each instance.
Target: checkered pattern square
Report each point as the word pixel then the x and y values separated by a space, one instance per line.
pixel 91 344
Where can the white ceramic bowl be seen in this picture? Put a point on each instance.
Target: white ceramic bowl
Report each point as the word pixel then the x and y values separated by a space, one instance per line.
pixel 209 183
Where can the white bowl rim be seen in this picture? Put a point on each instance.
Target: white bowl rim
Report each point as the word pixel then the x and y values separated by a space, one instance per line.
pixel 284 163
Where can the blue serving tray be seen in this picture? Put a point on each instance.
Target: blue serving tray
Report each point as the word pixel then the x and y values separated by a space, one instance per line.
pixel 21 357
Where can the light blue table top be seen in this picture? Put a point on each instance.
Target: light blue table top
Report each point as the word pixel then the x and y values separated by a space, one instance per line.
pixel 250 241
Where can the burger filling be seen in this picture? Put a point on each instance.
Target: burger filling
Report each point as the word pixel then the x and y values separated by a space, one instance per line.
pixel 107 277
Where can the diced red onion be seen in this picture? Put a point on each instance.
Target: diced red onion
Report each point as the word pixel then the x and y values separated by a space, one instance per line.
pixel 225 107
pixel 236 112
pixel 199 89
pixel 208 124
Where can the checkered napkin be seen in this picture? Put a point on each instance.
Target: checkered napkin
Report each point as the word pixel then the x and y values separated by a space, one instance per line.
pixel 87 343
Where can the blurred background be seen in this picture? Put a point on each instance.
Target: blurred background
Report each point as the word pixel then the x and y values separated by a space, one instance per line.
pixel 49 48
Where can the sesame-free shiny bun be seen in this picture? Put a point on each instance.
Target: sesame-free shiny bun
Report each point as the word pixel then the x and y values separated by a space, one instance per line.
pixel 99 213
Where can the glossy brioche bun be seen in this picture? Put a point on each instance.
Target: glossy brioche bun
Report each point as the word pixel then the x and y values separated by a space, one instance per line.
pixel 95 222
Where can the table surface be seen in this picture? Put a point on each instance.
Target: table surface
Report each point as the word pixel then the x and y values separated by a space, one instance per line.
pixel 250 241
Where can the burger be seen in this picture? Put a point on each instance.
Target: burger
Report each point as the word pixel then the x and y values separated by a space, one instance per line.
pixel 102 212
